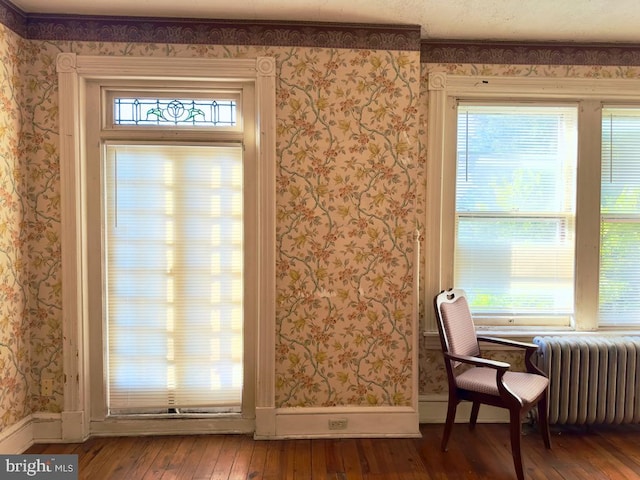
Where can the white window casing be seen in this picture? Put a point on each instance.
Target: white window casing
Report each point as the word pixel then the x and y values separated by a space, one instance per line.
pixel 75 73
pixel 590 96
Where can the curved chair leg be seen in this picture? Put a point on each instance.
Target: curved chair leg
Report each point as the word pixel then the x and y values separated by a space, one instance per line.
pixel 543 418
pixel 474 415
pixel 451 416
pixel 516 433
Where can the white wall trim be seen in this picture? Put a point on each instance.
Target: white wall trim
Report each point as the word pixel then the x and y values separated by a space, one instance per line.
pixel 176 426
pixel 360 422
pixel 271 423
pixel 73 428
pixel 36 428
pixel 47 428
pixel 18 437
pixel 265 422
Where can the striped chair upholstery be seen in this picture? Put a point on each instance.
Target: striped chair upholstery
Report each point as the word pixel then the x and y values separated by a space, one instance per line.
pixel 526 386
pixel 459 330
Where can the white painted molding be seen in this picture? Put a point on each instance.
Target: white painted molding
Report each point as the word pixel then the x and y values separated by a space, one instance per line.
pixel 358 422
pixel 437 81
pixel 47 428
pixel 535 87
pixel 175 426
pixel 114 67
pixel 17 438
pixel 270 423
pixel 265 422
pixel 66 63
pixel 72 237
pixel 266 148
pixel 73 428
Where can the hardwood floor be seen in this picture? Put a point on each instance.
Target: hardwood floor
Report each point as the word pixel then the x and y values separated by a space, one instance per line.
pixel 594 453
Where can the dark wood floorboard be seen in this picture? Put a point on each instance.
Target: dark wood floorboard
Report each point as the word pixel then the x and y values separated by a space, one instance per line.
pixel 578 453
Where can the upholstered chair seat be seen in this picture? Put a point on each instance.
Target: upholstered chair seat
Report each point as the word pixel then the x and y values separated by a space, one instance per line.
pixel 524 385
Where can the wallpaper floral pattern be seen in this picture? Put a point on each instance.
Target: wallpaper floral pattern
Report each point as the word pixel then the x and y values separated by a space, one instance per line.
pixel 347 162
pixel 347 144
pixel 351 126
pixel 15 368
pixel 30 328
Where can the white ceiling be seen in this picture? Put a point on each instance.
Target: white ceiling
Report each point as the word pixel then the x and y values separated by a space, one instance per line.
pixel 583 21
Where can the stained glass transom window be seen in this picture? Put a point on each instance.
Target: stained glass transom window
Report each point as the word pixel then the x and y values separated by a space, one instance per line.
pixel 174 112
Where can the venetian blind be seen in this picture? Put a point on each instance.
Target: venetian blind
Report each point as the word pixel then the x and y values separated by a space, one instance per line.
pixel 620 218
pixel 515 210
pixel 174 222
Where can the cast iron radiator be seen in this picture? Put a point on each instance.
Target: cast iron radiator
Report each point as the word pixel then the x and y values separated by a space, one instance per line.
pixel 592 379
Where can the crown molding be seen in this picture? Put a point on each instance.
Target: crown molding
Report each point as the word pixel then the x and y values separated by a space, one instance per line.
pixel 97 28
pixel 511 53
pixel 221 32
pixel 309 34
pixel 13 18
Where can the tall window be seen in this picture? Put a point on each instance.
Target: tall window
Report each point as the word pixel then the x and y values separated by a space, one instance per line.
pixel 174 235
pixel 620 217
pixel 133 130
pixel 515 211
pixel 533 187
pixel 173 169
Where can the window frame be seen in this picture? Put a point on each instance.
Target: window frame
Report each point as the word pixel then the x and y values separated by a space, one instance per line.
pixel 75 72
pixel 590 95
pixel 497 318
pixel 100 132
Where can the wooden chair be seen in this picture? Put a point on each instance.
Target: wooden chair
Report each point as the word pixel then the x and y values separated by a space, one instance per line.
pixel 487 381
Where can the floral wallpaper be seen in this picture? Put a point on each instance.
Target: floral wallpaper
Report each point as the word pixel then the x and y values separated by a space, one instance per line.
pixel 351 143
pixel 347 161
pixel 347 186
pixel 16 392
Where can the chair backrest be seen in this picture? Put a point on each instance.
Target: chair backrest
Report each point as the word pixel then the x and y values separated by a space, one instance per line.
pixel 455 323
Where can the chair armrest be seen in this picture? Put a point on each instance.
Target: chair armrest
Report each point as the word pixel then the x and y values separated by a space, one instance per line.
pixel 530 349
pixel 508 343
pixel 478 361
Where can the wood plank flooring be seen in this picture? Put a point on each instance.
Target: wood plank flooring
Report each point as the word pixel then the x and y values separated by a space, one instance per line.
pixel 594 453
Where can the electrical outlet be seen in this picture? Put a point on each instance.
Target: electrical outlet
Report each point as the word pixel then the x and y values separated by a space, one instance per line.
pixel 46 389
pixel 338 424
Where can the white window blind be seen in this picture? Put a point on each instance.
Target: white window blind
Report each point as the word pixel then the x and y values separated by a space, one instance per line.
pixel 174 234
pixel 515 212
pixel 619 302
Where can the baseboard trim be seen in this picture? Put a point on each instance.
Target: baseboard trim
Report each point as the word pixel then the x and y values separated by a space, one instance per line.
pixel 18 437
pixel 265 422
pixel 47 428
pixel 270 423
pixel 175 426
pixel 73 427
pixel 433 409
pixel 343 422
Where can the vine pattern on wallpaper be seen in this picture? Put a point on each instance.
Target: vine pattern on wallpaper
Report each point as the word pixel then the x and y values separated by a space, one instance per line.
pixel 346 145
pixel 347 139
pixel 41 163
pixel 14 337
pixel 30 330
pixel 347 183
